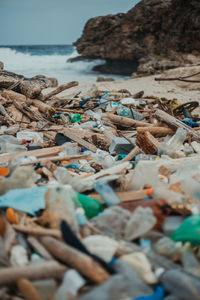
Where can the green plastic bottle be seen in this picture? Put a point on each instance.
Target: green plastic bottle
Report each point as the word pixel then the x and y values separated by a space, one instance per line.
pixel 91 206
pixel 189 231
pixel 75 118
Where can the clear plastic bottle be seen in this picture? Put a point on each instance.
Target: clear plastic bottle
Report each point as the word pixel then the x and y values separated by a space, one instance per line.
pixel 10 139
pixel 181 284
pixel 107 194
pixel 11 148
pixel 141 221
pixel 173 146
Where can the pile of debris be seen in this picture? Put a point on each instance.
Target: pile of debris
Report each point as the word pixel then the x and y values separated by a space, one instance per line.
pixel 99 194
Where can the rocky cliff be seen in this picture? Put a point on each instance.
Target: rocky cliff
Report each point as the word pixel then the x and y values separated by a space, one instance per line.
pixel 154 35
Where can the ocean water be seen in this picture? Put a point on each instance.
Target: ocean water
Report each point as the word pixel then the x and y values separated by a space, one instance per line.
pixel 51 61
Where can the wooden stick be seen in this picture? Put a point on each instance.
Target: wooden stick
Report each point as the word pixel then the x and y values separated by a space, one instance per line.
pixel 80 141
pixel 157 131
pixel 124 196
pixel 60 89
pixel 27 289
pixel 45 152
pixel 57 158
pixel 43 107
pixel 131 154
pixel 174 123
pixel 39 248
pixel 47 270
pixel 75 259
pixel 5 114
pixel 38 231
pixel 125 121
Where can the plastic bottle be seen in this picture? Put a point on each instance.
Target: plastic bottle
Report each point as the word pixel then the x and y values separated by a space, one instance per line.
pixel 91 206
pixel 106 192
pixel 141 221
pixel 181 284
pixel 141 156
pixel 69 149
pixel 104 159
pixel 166 247
pixel 114 219
pixel 75 118
pixel 11 148
pixel 72 282
pixel 60 206
pixel 129 113
pixel 173 146
pixel 104 100
pixel 10 139
pixel 189 261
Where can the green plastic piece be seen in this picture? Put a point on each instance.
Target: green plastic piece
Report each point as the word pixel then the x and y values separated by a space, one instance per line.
pixel 189 231
pixel 75 118
pixel 91 206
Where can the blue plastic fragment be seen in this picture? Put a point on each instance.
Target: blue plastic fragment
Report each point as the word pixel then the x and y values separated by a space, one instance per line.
pixel 72 166
pixel 29 200
pixel 157 295
pixel 114 259
pixel 190 123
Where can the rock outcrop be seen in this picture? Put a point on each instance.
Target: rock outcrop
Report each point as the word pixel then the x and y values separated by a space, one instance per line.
pixel 1 65
pixel 154 35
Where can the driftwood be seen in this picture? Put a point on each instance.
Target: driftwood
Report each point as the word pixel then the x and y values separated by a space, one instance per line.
pixel 27 289
pixel 181 78
pixel 174 124
pixel 30 87
pixel 37 231
pixel 25 109
pixel 157 131
pixel 131 154
pixel 125 121
pixel 5 114
pixel 60 89
pixel 80 141
pixel 47 270
pixel 147 142
pixel 45 152
pixel 75 259
pixel 14 96
pixel 39 248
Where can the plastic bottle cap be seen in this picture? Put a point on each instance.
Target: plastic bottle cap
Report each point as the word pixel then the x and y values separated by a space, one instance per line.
pixel 149 192
pixel 24 141
pixel 4 171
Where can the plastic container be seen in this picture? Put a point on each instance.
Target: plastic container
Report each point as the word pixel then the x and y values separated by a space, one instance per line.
pixel 188 231
pixel 121 146
pixel 91 206
pixel 75 118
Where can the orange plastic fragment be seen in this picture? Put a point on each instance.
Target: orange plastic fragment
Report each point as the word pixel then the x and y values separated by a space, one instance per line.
pixel 4 171
pixel 11 216
pixel 149 192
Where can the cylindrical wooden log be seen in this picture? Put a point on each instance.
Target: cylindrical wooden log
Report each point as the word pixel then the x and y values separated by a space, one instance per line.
pixel 75 259
pixel 125 121
pixel 10 95
pixel 175 124
pixel 43 107
pixel 27 289
pixel 131 154
pixel 47 270
pixel 60 89
pixel 157 131
pixel 37 231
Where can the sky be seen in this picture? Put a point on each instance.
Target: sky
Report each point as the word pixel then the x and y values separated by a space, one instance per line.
pixel 30 22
